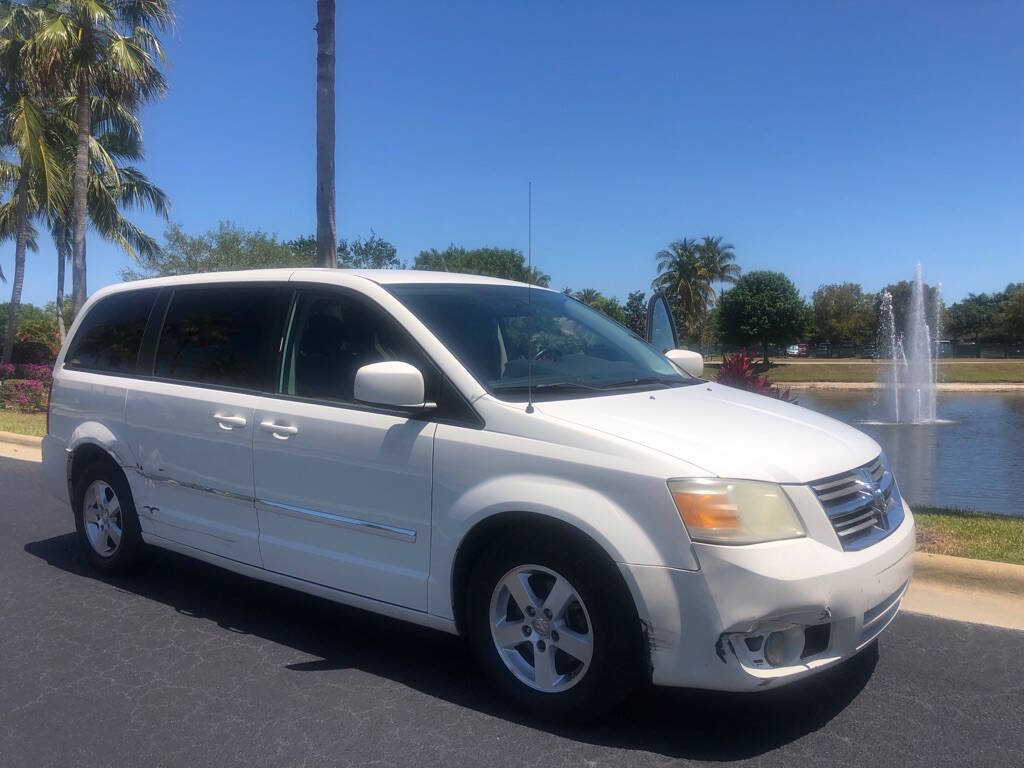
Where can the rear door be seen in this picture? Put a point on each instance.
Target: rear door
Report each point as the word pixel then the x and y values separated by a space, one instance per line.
pixel 191 418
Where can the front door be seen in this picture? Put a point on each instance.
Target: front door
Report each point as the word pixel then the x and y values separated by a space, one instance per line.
pixel 343 490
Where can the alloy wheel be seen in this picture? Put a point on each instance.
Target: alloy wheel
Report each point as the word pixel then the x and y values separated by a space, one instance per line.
pixel 541 628
pixel 101 514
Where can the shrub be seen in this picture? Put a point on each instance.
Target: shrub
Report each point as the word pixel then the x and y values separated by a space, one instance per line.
pixel 742 372
pixel 27 395
pixel 33 371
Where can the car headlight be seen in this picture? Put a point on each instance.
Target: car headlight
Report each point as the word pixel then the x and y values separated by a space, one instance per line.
pixel 718 511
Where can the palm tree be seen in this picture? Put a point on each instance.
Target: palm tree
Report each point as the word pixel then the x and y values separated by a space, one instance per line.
pixel 679 277
pixel 587 296
pixel 117 137
pixel 326 232
pixel 688 271
pixel 717 263
pixel 26 129
pixel 108 48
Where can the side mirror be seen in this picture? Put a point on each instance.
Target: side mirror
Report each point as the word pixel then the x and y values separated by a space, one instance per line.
pixel 687 361
pixel 391 384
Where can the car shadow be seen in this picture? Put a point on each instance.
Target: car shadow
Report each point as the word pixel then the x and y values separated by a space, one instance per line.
pixel 677 723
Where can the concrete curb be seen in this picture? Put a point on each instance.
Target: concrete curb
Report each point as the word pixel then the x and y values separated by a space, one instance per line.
pixel 16 439
pixel 965 573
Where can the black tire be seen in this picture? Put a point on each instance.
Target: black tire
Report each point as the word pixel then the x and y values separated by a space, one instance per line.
pixel 617 664
pixel 131 551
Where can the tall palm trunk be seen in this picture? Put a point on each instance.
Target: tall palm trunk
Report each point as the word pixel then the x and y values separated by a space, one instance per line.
pixel 63 238
pixel 326 232
pixel 21 222
pixel 78 192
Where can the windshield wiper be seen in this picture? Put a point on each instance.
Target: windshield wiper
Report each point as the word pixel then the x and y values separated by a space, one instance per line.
pixel 640 382
pixel 555 386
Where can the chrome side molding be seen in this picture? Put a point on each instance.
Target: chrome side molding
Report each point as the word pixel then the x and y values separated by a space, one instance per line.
pixel 302 513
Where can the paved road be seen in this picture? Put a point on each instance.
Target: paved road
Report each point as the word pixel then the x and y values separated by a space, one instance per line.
pixel 191 666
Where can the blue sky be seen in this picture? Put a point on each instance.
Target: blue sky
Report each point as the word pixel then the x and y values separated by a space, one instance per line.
pixel 832 141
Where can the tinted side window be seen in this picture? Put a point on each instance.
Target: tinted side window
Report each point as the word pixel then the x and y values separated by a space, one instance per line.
pixel 223 335
pixel 332 336
pixel 110 335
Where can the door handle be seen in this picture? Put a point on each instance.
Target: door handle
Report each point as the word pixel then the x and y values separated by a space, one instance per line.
pixel 280 431
pixel 229 422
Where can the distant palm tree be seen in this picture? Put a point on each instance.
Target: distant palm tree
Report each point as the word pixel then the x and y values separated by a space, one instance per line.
pixel 326 230
pixel 717 264
pixel 687 273
pixel 26 131
pixel 588 296
pixel 679 278
pixel 105 48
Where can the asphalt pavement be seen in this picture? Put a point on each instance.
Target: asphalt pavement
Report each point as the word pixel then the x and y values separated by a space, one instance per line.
pixel 189 665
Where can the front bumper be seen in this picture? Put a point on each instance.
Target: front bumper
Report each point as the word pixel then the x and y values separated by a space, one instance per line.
pixel 698 622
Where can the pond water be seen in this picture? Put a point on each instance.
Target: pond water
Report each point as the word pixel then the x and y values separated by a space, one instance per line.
pixel 973 459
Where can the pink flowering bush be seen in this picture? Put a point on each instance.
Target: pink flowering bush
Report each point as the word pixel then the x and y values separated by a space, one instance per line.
pixel 32 371
pixel 27 395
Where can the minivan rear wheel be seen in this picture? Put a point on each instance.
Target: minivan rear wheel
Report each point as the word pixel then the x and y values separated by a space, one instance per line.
pixel 108 528
pixel 553 627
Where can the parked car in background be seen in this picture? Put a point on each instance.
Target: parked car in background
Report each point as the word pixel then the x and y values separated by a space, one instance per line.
pixel 484 458
pixel 796 350
pixel 823 349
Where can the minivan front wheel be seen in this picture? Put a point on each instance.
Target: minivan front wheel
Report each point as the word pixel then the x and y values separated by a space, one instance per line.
pixel 553 626
pixel 107 526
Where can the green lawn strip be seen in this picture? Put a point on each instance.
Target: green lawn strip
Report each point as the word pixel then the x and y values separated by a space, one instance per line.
pixel 965 533
pixel 23 423
pixel 966 372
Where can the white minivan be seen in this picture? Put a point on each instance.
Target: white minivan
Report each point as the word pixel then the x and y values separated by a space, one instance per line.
pixel 484 458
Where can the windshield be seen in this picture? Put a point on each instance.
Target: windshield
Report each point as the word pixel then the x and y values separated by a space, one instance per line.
pixel 500 332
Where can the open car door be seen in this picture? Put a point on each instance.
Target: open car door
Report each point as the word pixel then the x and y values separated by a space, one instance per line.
pixel 662 335
pixel 661 327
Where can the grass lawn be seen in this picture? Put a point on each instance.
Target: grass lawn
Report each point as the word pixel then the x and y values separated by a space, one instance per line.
pixel 963 533
pixel 23 423
pixel 950 371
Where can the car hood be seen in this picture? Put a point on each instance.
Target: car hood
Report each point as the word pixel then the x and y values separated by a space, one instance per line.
pixel 725 431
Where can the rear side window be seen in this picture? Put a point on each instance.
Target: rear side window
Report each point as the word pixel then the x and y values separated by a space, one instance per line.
pixel 227 336
pixel 109 337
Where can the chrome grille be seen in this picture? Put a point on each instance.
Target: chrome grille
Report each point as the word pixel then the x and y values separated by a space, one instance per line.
pixel 863 504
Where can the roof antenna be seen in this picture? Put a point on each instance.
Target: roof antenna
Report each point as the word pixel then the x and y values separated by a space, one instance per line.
pixel 529 293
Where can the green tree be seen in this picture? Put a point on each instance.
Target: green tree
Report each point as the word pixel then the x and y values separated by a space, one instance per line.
pixel 636 313
pixel 607 305
pixel 763 308
pixel 976 318
pixel 901 292
pixel 106 48
pixel 843 312
pixel 508 263
pixel 228 247
pixel 326 230
pixel 373 253
pixel 1013 314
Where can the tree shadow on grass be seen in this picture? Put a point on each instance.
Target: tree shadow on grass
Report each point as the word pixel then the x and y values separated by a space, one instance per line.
pixel 677 723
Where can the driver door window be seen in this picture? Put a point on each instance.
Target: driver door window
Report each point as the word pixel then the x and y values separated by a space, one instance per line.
pixel 332 336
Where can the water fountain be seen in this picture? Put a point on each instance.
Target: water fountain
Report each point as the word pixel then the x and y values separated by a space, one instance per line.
pixel 909 381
